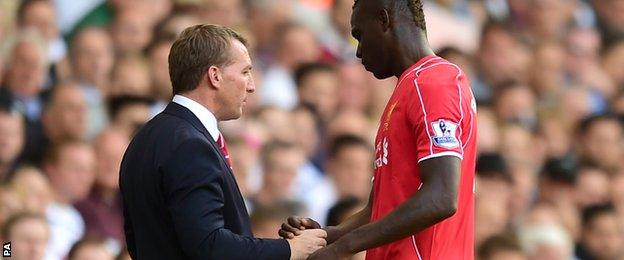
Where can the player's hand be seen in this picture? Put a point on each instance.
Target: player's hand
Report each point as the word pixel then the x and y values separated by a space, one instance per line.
pixel 330 252
pixel 294 225
pixel 307 243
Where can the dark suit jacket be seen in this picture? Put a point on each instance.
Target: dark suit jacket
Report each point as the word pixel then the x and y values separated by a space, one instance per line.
pixel 180 198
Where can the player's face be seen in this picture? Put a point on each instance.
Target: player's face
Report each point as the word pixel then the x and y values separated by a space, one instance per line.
pixel 373 44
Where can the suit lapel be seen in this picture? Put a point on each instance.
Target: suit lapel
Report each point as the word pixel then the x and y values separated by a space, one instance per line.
pixel 180 111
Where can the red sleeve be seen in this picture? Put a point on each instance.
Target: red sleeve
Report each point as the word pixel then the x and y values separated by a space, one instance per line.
pixel 436 112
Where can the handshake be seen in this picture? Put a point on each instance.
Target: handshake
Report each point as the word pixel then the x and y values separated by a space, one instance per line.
pixel 307 240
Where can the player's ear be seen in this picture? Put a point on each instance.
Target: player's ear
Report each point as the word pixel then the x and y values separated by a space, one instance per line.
pixel 384 18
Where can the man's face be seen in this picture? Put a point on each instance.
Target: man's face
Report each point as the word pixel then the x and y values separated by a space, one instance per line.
pixel 604 237
pixel 351 171
pixel 41 16
pixel 69 113
pixel 11 137
pixel 74 172
pixel 29 238
pixel 26 72
pixel 373 47
pixel 94 56
pixel 319 90
pixel 280 175
pixel 603 143
pixel 237 82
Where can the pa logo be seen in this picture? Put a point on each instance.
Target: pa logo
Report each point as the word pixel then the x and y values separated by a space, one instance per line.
pixel 6 249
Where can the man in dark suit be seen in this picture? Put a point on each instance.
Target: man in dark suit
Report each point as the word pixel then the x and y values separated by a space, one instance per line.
pixel 180 198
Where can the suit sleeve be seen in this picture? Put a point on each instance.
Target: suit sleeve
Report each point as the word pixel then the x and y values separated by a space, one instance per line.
pixel 436 115
pixel 192 181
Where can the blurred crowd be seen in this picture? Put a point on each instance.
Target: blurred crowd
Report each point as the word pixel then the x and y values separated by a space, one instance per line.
pixel 78 78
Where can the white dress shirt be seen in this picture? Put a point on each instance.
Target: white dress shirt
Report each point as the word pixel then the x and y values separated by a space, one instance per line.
pixel 204 115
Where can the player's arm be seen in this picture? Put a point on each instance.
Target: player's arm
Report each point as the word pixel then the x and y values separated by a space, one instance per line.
pixel 434 202
pixel 294 224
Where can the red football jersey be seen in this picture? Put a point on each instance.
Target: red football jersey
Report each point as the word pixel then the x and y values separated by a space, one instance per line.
pixel 431 113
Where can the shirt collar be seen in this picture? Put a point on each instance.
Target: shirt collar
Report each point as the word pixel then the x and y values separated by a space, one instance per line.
pixel 202 113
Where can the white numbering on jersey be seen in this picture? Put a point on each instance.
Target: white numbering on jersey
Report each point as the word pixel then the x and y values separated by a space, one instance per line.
pixel 382 151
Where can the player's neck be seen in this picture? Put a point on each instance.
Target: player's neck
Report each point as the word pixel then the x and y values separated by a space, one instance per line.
pixel 411 51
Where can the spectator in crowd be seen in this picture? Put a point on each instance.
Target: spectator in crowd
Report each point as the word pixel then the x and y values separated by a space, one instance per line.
pixel 70 166
pixel 128 113
pixel 349 174
pixel 130 76
pixel 354 92
pixel 343 209
pixel 92 58
pixel 317 85
pixel 65 118
pixel 101 210
pixel 265 220
pixel 40 14
pixel 90 249
pixel 612 60
pixel 131 32
pixel 280 163
pixel 264 19
pixel 592 187
pixel 12 130
pixel 494 191
pixel 29 234
pixel 296 45
pixel 337 40
pixel 595 132
pixel 602 234
pixel 33 189
pixel 26 68
pixel 158 54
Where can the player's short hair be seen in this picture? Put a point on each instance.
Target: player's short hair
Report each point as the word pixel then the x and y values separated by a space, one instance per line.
pixel 198 48
pixel 561 169
pixel 415 7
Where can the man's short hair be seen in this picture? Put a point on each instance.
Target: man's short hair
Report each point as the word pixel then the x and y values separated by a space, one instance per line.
pixel 592 212
pixel 198 48
pixel 305 70
pixel 269 148
pixel 117 103
pixel 341 142
pixel 53 152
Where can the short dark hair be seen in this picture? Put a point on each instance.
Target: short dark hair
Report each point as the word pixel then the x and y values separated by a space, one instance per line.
pixel 592 212
pixel 305 70
pixel 415 8
pixel 561 169
pixel 587 122
pixel 198 48
pixel 347 140
pixel 117 103
pixel 16 219
pixel 493 166
pixel 337 212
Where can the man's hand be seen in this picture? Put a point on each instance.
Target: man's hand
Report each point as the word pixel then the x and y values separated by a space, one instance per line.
pixel 295 225
pixel 306 243
pixel 328 253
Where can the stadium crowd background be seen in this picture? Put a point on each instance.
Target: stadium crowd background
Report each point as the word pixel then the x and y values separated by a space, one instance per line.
pixel 78 78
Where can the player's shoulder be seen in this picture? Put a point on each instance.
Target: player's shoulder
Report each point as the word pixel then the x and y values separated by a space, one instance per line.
pixel 438 71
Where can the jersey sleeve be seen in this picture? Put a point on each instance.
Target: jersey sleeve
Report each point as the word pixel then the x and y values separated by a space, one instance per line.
pixel 436 113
